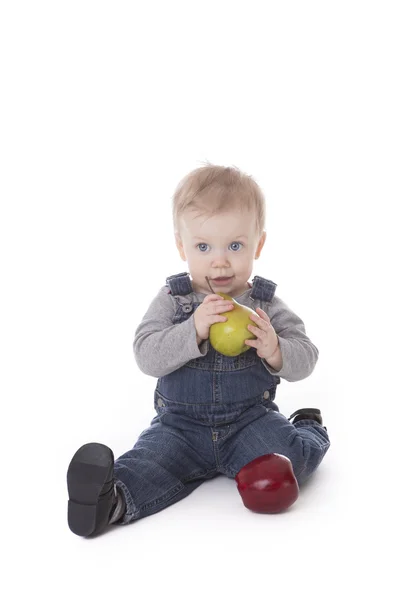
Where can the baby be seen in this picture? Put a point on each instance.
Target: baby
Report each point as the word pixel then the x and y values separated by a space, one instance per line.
pixel 215 414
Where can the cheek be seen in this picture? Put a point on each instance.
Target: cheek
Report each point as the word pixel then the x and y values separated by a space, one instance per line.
pixel 194 259
pixel 243 258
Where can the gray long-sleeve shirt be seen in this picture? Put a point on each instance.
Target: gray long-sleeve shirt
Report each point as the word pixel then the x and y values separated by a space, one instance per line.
pixel 161 347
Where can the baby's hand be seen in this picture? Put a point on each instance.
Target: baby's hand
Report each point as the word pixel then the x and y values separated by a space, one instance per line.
pixel 208 313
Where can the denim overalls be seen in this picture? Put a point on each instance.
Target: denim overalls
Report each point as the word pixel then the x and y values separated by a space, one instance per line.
pixel 214 415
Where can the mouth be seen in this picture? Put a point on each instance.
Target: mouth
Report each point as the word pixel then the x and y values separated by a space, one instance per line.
pixel 222 280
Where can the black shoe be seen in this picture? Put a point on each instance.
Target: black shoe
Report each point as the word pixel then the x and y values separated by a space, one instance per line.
pixel 92 493
pixel 306 413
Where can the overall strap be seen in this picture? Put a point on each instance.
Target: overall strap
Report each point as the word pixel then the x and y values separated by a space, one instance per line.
pixel 179 284
pixel 262 289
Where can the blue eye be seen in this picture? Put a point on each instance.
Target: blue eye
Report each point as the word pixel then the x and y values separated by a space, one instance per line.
pixel 239 243
pixel 202 244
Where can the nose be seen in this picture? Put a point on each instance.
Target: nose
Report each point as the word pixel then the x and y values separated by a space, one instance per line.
pixel 220 260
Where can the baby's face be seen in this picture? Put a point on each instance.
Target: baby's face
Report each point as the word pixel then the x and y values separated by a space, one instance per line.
pixel 223 245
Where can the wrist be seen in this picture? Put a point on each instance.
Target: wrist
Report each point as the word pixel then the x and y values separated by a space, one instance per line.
pixel 275 351
pixel 275 360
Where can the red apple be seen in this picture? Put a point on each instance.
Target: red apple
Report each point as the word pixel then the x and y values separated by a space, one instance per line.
pixel 267 484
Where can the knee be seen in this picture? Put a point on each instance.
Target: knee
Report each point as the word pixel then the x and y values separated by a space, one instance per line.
pixel 267 484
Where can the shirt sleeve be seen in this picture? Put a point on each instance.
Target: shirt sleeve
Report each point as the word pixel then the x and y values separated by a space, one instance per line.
pixel 160 347
pixel 299 354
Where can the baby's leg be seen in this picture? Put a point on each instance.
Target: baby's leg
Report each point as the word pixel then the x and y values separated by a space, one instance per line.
pixel 260 431
pixel 166 464
pixel 170 459
pixel 251 453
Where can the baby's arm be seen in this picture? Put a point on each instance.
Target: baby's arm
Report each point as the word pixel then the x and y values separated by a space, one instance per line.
pixel 299 354
pixel 161 347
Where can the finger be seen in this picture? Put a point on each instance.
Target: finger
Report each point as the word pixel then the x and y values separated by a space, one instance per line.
pixel 218 307
pixel 218 319
pixel 224 306
pixel 261 335
pixel 255 330
pixel 261 324
pixel 263 314
pixel 216 300
pixel 211 297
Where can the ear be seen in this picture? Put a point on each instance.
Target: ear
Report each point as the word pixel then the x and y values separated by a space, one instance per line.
pixel 260 245
pixel 179 245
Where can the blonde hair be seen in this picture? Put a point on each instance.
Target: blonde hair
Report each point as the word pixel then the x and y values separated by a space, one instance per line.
pixel 213 189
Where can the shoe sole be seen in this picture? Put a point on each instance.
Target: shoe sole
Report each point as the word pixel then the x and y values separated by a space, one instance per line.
pixel 90 481
pixel 302 414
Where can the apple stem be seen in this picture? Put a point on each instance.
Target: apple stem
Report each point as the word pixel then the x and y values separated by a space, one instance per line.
pixel 209 285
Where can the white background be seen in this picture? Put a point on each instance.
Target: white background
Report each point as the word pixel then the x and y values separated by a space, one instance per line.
pixel 105 106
